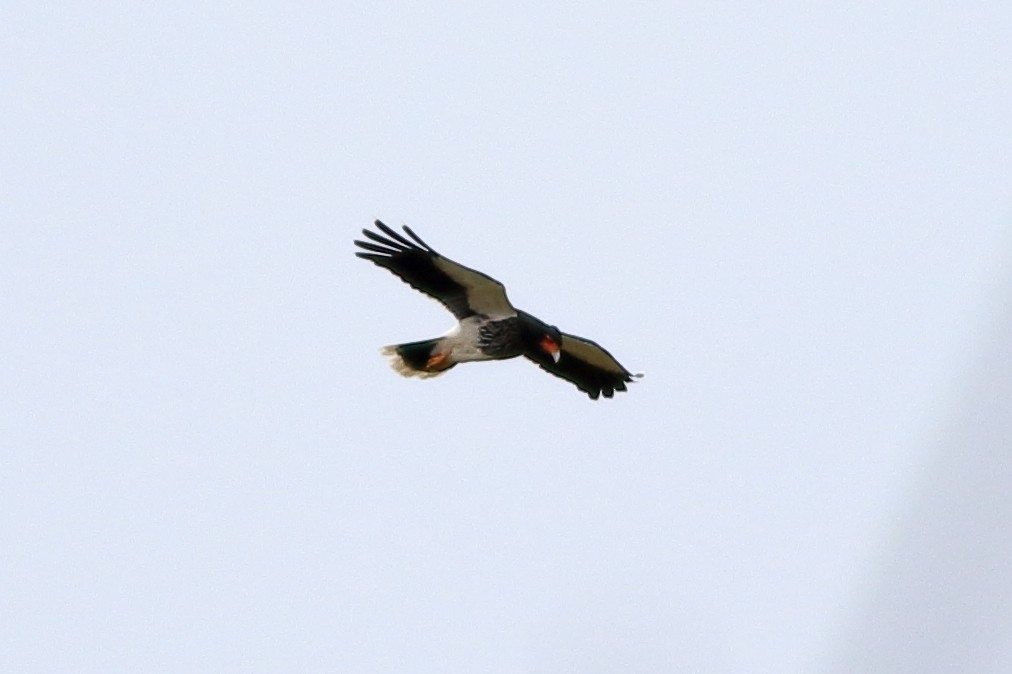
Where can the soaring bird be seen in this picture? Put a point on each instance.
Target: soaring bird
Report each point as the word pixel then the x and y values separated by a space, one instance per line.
pixel 488 327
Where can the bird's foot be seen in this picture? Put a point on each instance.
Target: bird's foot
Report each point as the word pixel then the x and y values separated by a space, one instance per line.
pixel 438 361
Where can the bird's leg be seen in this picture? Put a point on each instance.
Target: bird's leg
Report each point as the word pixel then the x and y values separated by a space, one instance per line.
pixel 438 361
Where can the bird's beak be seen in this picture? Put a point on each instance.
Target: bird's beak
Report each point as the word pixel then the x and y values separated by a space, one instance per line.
pixel 552 347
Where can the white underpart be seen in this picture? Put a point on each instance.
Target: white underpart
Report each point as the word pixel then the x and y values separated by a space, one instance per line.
pixel 462 342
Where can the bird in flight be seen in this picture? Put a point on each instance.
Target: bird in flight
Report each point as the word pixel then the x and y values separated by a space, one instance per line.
pixel 489 327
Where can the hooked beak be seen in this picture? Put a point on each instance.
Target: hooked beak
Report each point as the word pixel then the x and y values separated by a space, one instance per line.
pixel 552 347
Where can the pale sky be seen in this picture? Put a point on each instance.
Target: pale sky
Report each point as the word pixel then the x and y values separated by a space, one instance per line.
pixel 797 221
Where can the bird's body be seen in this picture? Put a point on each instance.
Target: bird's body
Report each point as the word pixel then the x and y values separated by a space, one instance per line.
pixel 489 327
pixel 472 339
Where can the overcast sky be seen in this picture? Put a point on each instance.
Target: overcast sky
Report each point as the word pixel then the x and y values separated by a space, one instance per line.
pixel 796 220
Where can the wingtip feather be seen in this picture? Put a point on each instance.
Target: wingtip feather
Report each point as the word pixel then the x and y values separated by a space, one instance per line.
pixel 418 239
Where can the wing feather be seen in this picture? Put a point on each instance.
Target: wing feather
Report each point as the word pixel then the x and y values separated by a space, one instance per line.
pixel 586 364
pixel 394 234
pixel 464 291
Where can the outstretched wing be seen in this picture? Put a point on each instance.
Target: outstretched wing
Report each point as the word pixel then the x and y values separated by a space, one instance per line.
pixel 465 292
pixel 586 364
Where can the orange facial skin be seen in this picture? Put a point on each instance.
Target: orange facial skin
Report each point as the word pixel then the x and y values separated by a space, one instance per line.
pixel 551 346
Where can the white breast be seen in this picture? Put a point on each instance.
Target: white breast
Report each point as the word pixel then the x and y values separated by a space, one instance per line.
pixel 463 341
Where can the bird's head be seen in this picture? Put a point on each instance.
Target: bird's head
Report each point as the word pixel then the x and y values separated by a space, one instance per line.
pixel 551 343
pixel 541 337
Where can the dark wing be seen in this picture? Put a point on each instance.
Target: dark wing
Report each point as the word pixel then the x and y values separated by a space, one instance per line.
pixel 465 292
pixel 586 364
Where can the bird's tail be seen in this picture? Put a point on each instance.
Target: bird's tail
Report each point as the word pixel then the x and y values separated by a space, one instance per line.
pixel 419 359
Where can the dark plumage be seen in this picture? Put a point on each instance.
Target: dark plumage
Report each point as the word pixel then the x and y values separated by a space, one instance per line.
pixel 489 327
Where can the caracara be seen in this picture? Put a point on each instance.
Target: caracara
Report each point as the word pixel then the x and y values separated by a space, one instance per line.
pixel 489 327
